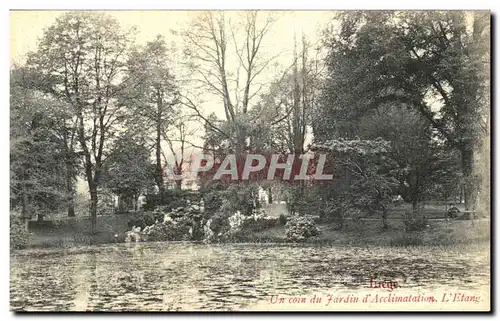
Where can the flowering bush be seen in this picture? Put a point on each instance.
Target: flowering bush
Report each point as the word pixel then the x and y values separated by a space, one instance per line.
pixel 260 221
pixel 300 228
pixel 236 221
pixel 257 222
pixel 181 223
pixel 188 223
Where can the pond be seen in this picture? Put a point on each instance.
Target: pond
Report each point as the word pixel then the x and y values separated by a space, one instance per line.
pixel 186 276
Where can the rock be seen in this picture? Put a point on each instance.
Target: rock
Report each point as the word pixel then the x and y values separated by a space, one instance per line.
pixel 208 231
pixel 181 223
pixel 202 206
pixel 132 236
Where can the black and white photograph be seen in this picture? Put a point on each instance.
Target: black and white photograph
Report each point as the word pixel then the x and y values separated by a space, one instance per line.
pixel 249 160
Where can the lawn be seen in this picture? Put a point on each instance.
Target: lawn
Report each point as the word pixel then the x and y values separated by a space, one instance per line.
pixel 371 233
pixel 75 231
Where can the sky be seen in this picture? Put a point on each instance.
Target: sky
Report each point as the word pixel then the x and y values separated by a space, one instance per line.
pixel 28 26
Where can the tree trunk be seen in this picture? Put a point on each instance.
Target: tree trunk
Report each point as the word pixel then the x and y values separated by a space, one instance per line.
pixel 414 204
pixel 467 156
pixel 25 208
pixel 70 192
pixel 71 208
pixel 269 195
pixel 159 169
pixel 178 171
pixel 385 225
pixel 93 209
pixel 136 202
pixel 120 204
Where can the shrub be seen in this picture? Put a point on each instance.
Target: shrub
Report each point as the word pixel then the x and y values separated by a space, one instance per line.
pixel 182 229
pixel 220 224
pixel 151 202
pixel 178 230
pixel 334 212
pixel 197 234
pixel 171 199
pixel 236 221
pixel 182 223
pixel 414 222
pixel 300 228
pixel 229 198
pixel 213 201
pixel 105 206
pixel 241 224
pixel 282 219
pixel 260 221
pixel 158 232
pixel 142 221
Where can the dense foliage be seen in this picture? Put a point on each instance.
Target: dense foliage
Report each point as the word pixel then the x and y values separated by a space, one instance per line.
pixel 300 228
pixel 398 101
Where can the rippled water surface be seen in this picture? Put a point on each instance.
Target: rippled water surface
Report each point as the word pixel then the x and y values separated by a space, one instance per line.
pixel 185 276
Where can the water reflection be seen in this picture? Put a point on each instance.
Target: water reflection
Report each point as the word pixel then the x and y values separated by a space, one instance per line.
pixel 184 276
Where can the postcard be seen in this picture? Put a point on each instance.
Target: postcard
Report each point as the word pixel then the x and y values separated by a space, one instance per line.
pixel 250 161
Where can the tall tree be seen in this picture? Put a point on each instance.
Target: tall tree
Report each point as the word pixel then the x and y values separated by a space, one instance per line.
pixel 433 62
pixel 128 171
pixel 37 158
pixel 212 41
pixel 82 56
pixel 363 175
pixel 419 161
pixel 153 93
pixel 64 125
pixel 177 136
pixel 284 110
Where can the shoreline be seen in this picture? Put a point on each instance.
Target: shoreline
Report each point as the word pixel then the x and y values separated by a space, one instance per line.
pixel 363 233
pixel 82 249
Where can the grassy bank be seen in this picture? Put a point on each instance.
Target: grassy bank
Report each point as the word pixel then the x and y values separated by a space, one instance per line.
pixel 76 231
pixel 370 233
pixel 111 228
